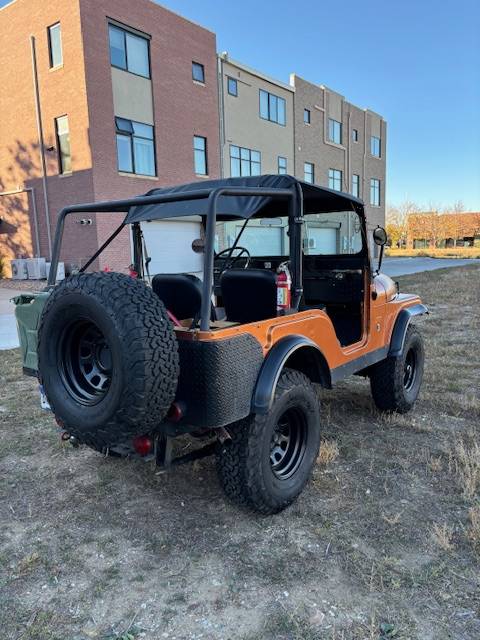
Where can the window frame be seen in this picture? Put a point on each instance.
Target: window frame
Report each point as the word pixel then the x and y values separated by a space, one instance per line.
pixel 61 164
pixel 307 116
pixel 50 49
pixel 131 135
pixel 375 189
pixel 282 171
pixel 355 135
pixel 271 97
pixel 312 166
pixel 332 128
pixel 249 160
pixel 373 144
pixel 125 30
pixel 335 176
pixel 205 153
pixel 201 66
pixel 230 79
pixel 357 184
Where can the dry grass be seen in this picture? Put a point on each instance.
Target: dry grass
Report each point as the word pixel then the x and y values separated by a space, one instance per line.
pixel 89 544
pixel 442 535
pixel 465 461
pixel 453 252
pixel 473 530
pixel 329 452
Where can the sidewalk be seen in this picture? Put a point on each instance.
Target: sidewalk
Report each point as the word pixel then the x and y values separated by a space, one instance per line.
pixel 8 326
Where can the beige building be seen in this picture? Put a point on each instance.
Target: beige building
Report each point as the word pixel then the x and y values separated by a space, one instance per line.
pixel 256 121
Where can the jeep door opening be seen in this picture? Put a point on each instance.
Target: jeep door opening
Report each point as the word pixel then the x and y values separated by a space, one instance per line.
pixel 127 364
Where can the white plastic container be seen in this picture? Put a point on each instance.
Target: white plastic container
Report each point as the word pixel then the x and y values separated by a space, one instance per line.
pixel 36 268
pixel 19 269
pixel 60 271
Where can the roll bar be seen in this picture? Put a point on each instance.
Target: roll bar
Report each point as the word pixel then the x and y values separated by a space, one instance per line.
pixel 294 197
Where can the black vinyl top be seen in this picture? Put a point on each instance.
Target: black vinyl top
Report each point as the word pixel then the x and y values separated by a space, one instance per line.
pixel 315 200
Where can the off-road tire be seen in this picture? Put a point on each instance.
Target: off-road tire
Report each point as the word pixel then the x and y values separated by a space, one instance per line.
pixel 139 347
pixel 387 378
pixel 243 464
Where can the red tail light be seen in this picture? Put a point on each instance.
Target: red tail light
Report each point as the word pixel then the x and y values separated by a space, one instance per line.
pixel 143 445
pixel 175 413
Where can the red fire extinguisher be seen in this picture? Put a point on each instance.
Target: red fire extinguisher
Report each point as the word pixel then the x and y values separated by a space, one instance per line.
pixel 284 287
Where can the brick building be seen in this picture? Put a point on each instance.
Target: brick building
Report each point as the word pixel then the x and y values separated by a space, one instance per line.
pixel 127 101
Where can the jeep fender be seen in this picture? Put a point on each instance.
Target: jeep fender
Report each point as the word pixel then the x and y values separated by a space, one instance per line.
pixel 401 325
pixel 294 351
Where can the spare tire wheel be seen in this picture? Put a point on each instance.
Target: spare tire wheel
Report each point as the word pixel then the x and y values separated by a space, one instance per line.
pixel 108 357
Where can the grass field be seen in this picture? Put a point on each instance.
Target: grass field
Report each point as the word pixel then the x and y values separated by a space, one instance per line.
pixel 452 252
pixel 383 544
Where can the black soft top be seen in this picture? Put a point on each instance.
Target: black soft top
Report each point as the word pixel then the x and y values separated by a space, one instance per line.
pixel 315 200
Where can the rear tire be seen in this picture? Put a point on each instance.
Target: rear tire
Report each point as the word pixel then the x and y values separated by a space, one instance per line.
pixel 108 358
pixel 269 460
pixel 395 382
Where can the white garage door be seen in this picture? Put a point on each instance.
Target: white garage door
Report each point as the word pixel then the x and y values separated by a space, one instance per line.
pixel 322 241
pixel 169 245
pixel 262 241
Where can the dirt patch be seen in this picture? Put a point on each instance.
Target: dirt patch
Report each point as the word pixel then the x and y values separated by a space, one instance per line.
pixel 384 542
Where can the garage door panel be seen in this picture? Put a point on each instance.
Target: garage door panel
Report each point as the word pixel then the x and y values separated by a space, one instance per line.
pixel 169 245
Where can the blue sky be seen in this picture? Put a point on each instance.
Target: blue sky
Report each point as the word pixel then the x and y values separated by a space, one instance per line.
pixel 416 62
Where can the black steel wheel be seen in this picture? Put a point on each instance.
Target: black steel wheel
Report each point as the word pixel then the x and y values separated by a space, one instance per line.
pixel 270 457
pixel 395 382
pixel 108 358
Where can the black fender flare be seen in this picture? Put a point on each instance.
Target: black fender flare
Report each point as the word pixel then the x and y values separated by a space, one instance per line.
pixel 275 361
pixel 401 325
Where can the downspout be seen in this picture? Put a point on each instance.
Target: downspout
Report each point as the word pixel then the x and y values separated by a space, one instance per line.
pixel 364 153
pixel 221 112
pixel 38 114
pixel 30 190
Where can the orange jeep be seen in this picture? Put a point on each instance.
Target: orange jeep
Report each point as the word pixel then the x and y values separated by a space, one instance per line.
pixel 288 299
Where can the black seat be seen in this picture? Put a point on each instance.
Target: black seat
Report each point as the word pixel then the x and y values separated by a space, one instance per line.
pixel 249 295
pixel 181 293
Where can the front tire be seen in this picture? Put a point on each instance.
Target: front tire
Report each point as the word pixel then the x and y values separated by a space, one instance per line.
pixel 269 460
pixel 395 382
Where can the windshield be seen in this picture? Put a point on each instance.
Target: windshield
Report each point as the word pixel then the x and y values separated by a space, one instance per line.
pixel 335 233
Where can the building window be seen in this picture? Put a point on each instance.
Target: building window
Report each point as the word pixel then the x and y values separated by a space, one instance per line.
pixel 335 179
pixel 129 51
pixel 198 72
pixel 244 162
pixel 282 165
pixel 334 131
pixel 355 135
pixel 306 116
pixel 232 86
pixel 63 144
pixel 375 192
pixel 375 146
pixel 309 172
pixel 200 155
pixel 272 107
pixel 356 185
pixel 55 45
pixel 135 147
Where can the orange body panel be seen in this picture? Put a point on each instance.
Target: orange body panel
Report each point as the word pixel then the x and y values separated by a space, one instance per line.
pixel 382 305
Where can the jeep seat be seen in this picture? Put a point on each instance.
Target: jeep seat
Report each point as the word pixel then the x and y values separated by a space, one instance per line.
pixel 249 295
pixel 181 293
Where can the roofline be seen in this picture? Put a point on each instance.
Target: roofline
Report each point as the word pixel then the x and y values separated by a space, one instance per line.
pixel 7 5
pixel 325 88
pixel 226 58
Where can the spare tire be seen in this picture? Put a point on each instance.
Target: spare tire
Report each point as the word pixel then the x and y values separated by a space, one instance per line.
pixel 107 357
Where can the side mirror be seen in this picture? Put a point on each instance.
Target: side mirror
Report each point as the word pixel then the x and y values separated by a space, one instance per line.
pixel 380 238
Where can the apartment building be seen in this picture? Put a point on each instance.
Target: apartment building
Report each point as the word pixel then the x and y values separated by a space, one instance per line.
pixel 104 99
pixel 340 146
pixel 101 99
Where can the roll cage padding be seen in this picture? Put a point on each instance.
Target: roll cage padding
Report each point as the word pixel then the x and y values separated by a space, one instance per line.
pixel 296 351
pixel 401 325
